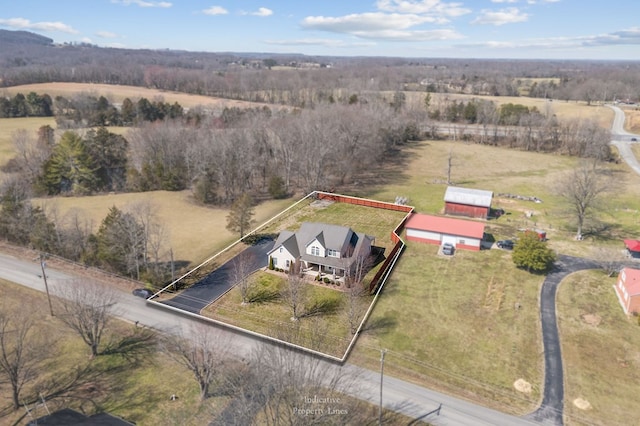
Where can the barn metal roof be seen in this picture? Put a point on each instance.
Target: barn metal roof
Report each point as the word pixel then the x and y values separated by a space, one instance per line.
pixel 445 225
pixel 468 196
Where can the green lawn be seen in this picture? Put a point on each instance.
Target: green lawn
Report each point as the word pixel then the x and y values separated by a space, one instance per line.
pixel 326 330
pixel 601 351
pixel 452 322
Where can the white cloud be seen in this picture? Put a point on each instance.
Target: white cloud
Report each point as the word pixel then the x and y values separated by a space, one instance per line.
pixel 422 7
pixel 326 42
pixel 505 1
pixel 500 17
pixel 629 36
pixel 363 22
pixel 22 23
pixel 86 40
pixel 143 3
pixel 263 11
pixel 215 10
pixel 395 20
pixel 106 34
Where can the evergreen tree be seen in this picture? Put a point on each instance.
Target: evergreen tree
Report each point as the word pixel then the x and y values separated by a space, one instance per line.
pixel 240 217
pixel 108 152
pixel 70 168
pixel 532 254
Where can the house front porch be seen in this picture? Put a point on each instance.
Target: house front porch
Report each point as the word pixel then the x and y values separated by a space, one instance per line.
pixel 315 270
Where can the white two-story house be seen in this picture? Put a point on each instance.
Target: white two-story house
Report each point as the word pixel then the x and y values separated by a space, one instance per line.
pixel 321 248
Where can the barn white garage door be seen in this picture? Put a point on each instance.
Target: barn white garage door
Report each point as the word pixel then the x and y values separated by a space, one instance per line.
pixel 449 239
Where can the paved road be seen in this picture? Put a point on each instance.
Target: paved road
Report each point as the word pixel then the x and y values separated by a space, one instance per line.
pixel 214 285
pixel 622 139
pixel 404 397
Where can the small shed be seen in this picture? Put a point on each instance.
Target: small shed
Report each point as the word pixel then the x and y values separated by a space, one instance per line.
pixel 467 202
pixel 633 248
pixel 462 234
pixel 628 290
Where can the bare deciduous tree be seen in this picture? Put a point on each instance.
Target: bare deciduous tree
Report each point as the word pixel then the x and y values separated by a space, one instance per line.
pixel 202 351
pixel 280 386
pixel 583 189
pixel 86 307
pixel 241 271
pixel 20 352
pixel 295 294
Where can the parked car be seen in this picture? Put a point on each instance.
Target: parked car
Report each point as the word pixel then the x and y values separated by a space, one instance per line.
pixel 505 244
pixel 142 292
pixel 634 139
pixel 447 248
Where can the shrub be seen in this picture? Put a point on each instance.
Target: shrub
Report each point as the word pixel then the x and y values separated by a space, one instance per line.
pixel 326 280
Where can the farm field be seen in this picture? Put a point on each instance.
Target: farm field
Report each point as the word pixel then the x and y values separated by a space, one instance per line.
pixel 117 93
pixel 562 109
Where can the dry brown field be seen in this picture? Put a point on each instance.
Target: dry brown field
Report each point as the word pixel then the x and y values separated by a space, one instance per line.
pixel 562 109
pixel 195 232
pixel 117 93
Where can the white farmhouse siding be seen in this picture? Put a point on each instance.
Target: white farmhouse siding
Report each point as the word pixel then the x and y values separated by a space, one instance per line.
pixel 463 234
pixel 282 258
pixel 316 248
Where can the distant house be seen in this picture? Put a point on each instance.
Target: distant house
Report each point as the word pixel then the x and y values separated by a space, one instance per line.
pixel 321 248
pixel 628 290
pixel 467 202
pixel 633 248
pixel 463 234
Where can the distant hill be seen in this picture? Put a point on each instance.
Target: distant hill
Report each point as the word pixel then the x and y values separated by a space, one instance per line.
pixel 23 37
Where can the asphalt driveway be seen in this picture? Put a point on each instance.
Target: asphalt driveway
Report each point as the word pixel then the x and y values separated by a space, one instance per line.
pixel 214 285
pixel 550 411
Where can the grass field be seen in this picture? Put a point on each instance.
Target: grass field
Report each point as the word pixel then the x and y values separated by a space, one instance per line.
pixel 601 351
pixel 562 109
pixel 195 232
pixel 132 390
pixel 117 93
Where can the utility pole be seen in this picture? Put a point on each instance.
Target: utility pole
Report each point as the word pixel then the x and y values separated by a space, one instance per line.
pixel 46 285
pixel 382 353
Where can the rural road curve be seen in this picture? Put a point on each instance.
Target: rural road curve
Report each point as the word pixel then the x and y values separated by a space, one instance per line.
pixel 404 397
pixel 622 139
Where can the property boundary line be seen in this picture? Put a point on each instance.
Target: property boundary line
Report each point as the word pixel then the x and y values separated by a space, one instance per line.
pixel 378 281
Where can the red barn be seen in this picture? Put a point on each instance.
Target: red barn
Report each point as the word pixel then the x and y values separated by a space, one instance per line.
pixel 467 202
pixel 462 234
pixel 628 290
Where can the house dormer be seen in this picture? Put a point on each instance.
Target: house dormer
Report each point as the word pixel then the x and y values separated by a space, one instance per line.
pixel 316 247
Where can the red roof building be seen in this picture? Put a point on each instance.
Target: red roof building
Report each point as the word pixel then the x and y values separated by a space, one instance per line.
pixel 463 234
pixel 628 290
pixel 633 247
pixel 467 202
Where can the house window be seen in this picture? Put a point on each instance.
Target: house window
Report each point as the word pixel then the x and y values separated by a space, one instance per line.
pixel 332 253
pixel 280 249
pixel 315 251
pixel 275 261
pixel 460 241
pixel 288 263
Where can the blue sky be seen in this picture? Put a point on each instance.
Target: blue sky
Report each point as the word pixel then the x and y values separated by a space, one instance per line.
pixel 536 29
